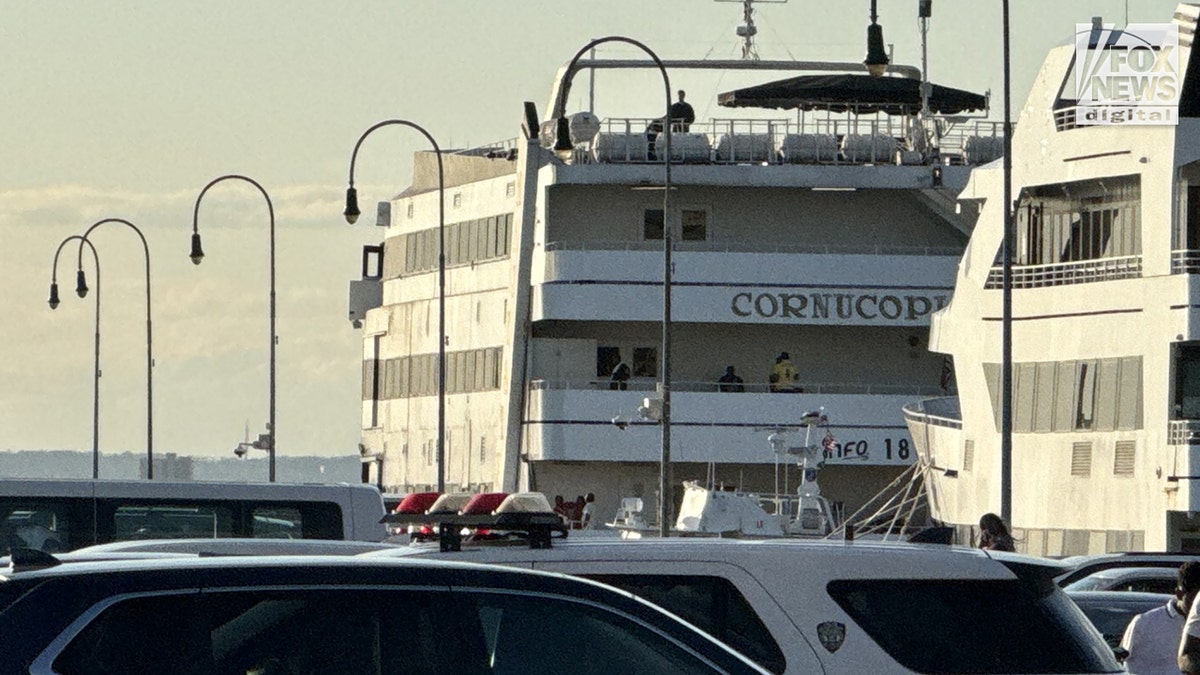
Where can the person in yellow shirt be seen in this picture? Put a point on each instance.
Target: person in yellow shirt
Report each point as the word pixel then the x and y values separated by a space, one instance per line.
pixel 783 374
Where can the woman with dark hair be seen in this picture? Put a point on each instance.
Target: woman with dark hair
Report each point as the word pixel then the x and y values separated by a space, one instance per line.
pixel 993 534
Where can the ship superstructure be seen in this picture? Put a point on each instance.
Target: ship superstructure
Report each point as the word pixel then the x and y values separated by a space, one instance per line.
pixel 1105 326
pixel 829 234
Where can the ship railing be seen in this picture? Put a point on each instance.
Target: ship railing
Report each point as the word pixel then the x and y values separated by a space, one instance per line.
pixel 1183 432
pixel 810 139
pixel 943 411
pixel 495 150
pixel 1062 274
pixel 1185 261
pixel 739 247
pixel 713 386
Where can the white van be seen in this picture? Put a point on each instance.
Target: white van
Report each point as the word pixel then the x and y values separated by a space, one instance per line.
pixel 841 607
pixel 62 515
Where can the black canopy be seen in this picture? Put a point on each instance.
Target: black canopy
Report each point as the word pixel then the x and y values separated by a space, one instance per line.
pixel 857 93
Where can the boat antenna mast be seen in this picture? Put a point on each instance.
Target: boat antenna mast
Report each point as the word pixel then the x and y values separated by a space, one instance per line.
pixel 748 30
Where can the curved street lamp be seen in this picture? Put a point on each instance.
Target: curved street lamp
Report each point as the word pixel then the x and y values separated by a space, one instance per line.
pixel 54 302
pixel 563 143
pixel 197 255
pixel 352 213
pixel 81 290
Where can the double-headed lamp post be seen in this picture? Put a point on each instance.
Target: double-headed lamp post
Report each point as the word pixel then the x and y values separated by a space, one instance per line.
pixel 352 213
pixel 54 302
pixel 81 289
pixel 197 255
pixel 563 144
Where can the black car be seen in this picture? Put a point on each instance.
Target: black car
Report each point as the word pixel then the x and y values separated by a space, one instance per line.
pixel 1111 611
pixel 333 614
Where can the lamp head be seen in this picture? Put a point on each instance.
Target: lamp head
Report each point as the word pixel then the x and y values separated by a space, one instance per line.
pixel 877 58
pixel 54 295
pixel 352 213
pixel 562 141
pixel 197 252
pixel 81 288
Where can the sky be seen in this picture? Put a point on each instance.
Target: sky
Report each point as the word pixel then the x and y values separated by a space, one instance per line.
pixel 127 109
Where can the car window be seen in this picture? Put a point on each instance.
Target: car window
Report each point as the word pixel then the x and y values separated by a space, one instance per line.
pixel 974 626
pixel 712 604
pixel 387 632
pixel 1150 585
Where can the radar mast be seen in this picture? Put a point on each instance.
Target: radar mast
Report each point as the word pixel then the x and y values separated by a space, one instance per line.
pixel 748 30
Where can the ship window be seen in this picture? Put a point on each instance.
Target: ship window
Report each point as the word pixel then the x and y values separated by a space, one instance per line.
pixel 607 359
pixel 403 379
pixel 480 240
pixel 490 238
pixel 510 189
pixel 652 224
pixel 1044 407
pixel 1064 403
pixel 453 385
pixel 1024 387
pixel 1129 403
pixel 1106 395
pixel 504 233
pixel 457 199
pixel 469 371
pixel 1193 218
pixel 645 362
pixel 410 210
pixel 1085 408
pixel 1187 382
pixel 694 225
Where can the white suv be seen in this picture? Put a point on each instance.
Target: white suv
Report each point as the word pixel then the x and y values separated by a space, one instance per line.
pixel 841 607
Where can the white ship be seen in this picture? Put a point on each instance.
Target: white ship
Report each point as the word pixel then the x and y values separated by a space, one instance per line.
pixel 1105 327
pixel 830 234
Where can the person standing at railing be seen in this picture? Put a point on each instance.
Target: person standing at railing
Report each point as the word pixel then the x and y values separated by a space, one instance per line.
pixel 730 382
pixel 681 114
pixel 620 377
pixel 783 376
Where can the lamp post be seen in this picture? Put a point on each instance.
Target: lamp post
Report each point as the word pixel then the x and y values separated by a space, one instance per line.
pixel 563 143
pixel 351 213
pixel 81 290
pixel 54 302
pixel 197 255
pixel 1006 393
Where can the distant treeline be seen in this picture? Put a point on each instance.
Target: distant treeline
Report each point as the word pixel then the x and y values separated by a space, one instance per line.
pixel 130 465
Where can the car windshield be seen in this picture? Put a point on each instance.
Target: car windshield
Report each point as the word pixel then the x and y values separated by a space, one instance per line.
pixel 975 626
pixel 1143 579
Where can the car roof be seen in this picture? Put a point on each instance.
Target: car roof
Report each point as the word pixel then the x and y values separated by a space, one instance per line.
pixel 1081 567
pixel 846 558
pixel 238 546
pixel 86 583
pixel 1118 597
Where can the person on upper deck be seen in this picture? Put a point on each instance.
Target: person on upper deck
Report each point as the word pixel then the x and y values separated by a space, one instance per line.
pixel 681 114
pixel 783 374
pixel 730 381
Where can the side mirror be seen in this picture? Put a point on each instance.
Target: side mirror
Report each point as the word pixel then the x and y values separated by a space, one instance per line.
pixel 1121 653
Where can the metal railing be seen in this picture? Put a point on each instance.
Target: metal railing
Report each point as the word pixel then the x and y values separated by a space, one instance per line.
pixel 701 386
pixel 764 247
pixel 944 411
pixel 1062 274
pixel 1183 432
pixel 1185 261
pixel 724 137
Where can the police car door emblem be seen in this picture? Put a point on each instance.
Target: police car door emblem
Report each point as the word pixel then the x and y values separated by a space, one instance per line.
pixel 831 634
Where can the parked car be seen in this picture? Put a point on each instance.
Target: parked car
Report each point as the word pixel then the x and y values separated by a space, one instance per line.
pixel 833 607
pixel 1139 579
pixel 1082 566
pixel 1111 611
pixel 334 614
